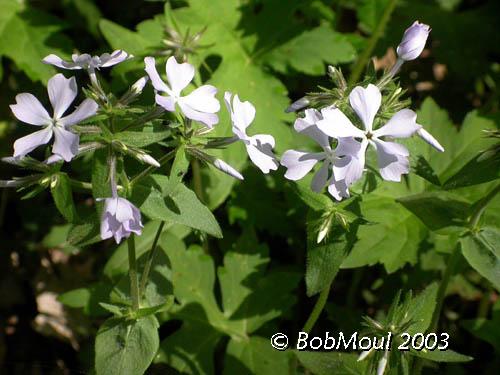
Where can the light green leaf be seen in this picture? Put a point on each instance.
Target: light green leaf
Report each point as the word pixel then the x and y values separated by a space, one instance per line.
pixel 87 298
pixel 392 237
pixel 126 346
pixel 28 35
pixel 482 252
pixel 302 53
pixel 120 37
pixel 370 12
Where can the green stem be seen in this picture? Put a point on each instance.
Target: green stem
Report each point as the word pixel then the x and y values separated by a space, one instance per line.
pixel 318 308
pixel 163 160
pixel 80 184
pixel 149 262
pixel 134 288
pixel 372 42
pixel 198 189
pixel 481 205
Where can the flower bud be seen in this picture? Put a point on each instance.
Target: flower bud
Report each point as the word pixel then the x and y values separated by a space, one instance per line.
pixel 226 168
pixel 148 159
pixel 413 41
pixel 298 105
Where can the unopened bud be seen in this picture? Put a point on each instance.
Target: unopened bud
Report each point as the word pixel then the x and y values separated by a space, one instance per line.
pixel 148 159
pixel 226 168
pixel 413 41
pixel 138 86
pixel 298 105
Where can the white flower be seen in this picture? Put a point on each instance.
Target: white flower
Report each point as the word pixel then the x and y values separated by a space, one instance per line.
pixel 120 219
pixel 339 167
pixel 260 146
pixel 200 105
pixel 28 109
pixel 392 157
pixel 413 42
pixel 85 61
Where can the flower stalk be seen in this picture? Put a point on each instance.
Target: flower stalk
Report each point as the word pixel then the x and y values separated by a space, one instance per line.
pixel 132 262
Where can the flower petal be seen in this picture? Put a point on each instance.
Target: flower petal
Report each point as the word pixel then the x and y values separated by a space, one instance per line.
pixel 65 143
pixel 157 82
pixel 28 109
pixel 123 210
pixel 166 102
pixel 62 92
pixel 179 75
pixel 26 144
pixel 307 126
pixel 243 113
pixel 203 99
pixel 299 163
pixel 86 109
pixel 116 57
pixel 260 152
pixel 209 119
pixel 60 63
pixel 366 103
pixel 402 125
pixel 426 136
pixel 392 160
pixel 337 125
pixel 338 189
pixel 320 178
pixel 348 146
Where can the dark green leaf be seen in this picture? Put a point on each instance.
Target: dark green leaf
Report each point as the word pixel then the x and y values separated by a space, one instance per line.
pixel 438 210
pixel 447 355
pixel 328 363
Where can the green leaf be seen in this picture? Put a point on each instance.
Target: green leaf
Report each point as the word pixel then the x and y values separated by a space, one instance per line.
pixel 421 309
pixel 328 363
pixel 438 210
pixel 179 166
pixel 318 202
pixel 302 53
pixel 101 185
pixel 482 252
pixel 62 193
pixel 487 330
pixel 86 233
pixel 117 264
pixel 120 37
pixel 483 168
pixel 392 236
pixel 447 355
pixel 142 139
pixel 160 198
pixel 58 238
pixel 251 297
pixel 324 259
pixel 370 13
pixel 28 35
pixel 88 298
pixel 255 356
pixel 126 346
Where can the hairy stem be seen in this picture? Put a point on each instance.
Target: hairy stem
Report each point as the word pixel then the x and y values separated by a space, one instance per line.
pixel 318 308
pixel 80 184
pixel 149 262
pixel 372 42
pixel 134 288
pixel 198 189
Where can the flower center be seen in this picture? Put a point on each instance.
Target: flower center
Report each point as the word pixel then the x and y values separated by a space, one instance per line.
pixel 369 135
